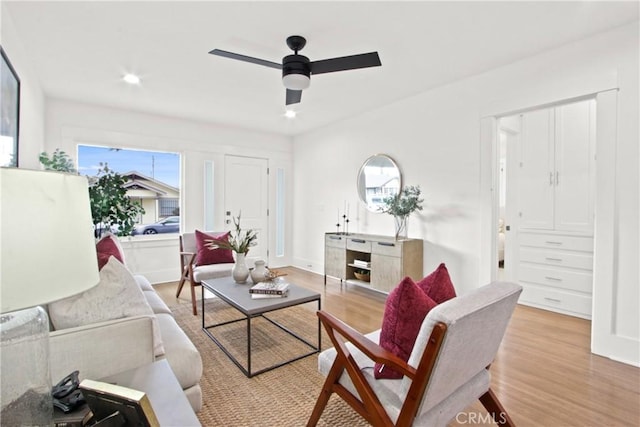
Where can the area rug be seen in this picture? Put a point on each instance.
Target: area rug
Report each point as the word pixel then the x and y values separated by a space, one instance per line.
pixel 284 396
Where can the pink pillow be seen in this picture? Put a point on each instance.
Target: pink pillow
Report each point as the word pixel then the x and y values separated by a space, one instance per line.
pixel 107 247
pixel 404 311
pixel 438 285
pixel 206 256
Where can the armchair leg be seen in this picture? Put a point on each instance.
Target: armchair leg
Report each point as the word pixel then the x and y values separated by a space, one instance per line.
pixel 325 393
pixel 180 285
pixel 193 299
pixel 491 403
pixel 183 278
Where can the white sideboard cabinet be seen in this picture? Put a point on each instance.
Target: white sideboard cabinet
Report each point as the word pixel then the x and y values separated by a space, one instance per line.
pixel 388 260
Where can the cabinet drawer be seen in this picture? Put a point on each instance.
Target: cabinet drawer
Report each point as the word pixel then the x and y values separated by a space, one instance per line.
pixel 553 241
pixel 559 278
pixel 387 248
pixel 335 241
pixel 560 301
pixel 557 258
pixel 360 245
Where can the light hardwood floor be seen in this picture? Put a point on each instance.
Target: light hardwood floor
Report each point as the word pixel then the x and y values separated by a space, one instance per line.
pixel 544 373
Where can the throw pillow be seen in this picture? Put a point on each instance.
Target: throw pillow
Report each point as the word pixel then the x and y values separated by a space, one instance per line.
pixel 206 256
pixel 116 296
pixel 109 246
pixel 438 285
pixel 404 311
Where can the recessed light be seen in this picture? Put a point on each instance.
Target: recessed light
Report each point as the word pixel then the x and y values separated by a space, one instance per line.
pixel 131 79
pixel 290 114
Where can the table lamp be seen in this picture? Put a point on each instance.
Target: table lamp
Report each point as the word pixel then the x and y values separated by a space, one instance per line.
pixel 47 252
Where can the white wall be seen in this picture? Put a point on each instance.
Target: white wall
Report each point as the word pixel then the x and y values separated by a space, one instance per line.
pixel 435 138
pixel 69 124
pixel 32 100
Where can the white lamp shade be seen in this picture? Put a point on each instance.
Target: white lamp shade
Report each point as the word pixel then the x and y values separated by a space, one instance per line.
pixel 296 81
pixel 47 249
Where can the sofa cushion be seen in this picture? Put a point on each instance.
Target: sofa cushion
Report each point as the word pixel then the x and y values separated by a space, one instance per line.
pixel 206 255
pixel 213 271
pixel 142 281
pixel 156 303
pixel 117 295
pixel 438 285
pixel 404 311
pixel 182 355
pixel 109 246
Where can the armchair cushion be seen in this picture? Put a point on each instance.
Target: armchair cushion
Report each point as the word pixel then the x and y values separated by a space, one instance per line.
pixel 116 296
pixel 108 246
pixel 438 285
pixel 207 256
pixel 404 312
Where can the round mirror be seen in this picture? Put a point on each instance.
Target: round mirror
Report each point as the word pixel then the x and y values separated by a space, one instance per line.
pixel 379 177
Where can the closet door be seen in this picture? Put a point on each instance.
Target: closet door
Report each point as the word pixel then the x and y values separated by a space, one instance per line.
pixel 575 166
pixel 536 170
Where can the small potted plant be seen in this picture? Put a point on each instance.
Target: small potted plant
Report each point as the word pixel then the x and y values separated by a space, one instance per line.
pixel 401 206
pixel 239 242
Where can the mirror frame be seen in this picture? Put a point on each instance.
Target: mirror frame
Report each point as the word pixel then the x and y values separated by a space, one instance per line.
pixel 359 179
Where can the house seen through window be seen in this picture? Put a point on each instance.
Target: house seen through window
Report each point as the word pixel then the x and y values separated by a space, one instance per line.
pixel 152 179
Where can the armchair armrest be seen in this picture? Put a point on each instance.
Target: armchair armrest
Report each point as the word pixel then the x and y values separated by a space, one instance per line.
pixel 373 351
pixel 101 349
pixel 189 257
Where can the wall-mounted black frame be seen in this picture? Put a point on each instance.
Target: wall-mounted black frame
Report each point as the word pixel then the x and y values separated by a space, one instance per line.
pixel 9 112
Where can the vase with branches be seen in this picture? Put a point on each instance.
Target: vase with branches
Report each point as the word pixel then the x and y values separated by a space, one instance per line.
pixel 239 241
pixel 401 206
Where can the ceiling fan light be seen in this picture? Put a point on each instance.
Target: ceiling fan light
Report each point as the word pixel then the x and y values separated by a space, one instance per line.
pixel 296 81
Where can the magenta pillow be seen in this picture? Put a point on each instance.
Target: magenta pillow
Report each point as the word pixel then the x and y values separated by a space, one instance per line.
pixel 438 285
pixel 206 256
pixel 404 311
pixel 107 247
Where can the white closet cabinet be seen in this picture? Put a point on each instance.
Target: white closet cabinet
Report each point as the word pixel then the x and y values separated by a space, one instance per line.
pixel 556 172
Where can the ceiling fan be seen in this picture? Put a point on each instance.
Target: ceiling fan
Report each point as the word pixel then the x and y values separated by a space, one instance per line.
pixel 297 69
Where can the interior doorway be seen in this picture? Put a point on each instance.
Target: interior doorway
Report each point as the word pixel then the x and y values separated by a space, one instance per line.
pixel 545 181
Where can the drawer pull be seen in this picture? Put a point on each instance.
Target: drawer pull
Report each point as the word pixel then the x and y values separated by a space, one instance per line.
pixel 554 259
pixel 386 244
pixel 358 241
pixel 551 242
pixel 553 300
pixel 555 279
pixel 335 237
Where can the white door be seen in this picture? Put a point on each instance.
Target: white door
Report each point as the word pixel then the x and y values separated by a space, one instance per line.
pixel 246 192
pixel 575 166
pixel 536 170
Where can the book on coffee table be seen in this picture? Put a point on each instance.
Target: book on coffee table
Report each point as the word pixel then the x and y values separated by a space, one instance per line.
pixel 269 288
pixel 264 296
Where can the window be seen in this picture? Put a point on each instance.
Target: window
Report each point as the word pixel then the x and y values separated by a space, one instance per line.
pixel 153 180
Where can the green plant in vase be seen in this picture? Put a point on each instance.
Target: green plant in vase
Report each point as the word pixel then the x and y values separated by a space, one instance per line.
pixel 401 206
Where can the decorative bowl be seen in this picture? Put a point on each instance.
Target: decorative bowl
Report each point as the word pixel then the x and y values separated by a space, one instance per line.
pixel 363 277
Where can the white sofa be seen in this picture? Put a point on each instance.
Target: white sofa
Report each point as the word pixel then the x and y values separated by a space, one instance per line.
pixel 101 349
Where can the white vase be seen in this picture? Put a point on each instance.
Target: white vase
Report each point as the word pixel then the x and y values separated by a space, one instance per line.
pixel 240 272
pixel 259 272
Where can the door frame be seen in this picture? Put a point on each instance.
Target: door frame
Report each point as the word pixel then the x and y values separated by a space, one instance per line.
pixel 604 87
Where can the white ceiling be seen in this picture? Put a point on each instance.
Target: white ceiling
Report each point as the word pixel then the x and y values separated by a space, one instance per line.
pixel 80 50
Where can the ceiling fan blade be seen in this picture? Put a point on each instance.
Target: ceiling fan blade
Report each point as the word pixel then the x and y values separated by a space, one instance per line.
pixel 293 96
pixel 245 58
pixel 352 62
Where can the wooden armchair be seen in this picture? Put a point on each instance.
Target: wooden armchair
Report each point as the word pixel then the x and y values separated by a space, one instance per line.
pixel 193 273
pixel 447 371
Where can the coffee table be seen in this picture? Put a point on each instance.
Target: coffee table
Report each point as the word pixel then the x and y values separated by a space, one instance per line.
pixel 238 296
